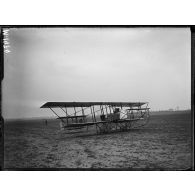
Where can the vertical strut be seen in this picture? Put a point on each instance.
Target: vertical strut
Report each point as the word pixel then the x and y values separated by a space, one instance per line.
pixel 83 113
pixel 109 109
pixel 106 110
pixel 94 114
pixel 91 114
pixel 66 115
pixel 102 110
pixel 95 119
pixel 121 110
pixel 75 114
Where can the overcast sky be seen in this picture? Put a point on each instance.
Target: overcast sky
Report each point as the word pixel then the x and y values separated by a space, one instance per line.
pixel 64 64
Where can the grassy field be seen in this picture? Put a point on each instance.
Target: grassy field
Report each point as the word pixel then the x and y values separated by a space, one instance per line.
pixel 165 143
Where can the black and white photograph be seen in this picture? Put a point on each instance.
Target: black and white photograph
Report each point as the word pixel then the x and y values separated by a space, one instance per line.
pixel 97 98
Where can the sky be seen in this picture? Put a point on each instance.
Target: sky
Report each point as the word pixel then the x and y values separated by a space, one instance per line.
pixel 96 64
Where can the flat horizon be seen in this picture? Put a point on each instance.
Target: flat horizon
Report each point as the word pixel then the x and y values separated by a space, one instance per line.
pixel 54 117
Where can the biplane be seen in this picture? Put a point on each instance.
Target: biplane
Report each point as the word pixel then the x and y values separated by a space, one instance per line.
pixel 105 116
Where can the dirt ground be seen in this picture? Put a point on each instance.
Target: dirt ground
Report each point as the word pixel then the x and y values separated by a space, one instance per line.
pixel 165 143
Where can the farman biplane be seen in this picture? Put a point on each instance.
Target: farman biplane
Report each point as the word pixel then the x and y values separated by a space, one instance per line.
pixel 104 116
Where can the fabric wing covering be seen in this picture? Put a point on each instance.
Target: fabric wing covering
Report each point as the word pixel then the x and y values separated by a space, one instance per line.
pixel 88 104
